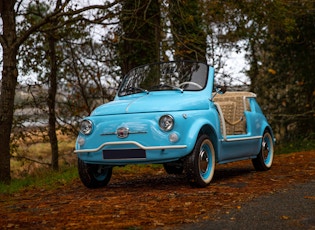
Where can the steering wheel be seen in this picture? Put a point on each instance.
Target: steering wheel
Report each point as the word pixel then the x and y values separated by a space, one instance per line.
pixel 190 83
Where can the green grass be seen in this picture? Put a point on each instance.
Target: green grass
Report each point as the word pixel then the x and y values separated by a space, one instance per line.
pixel 43 178
pixel 295 146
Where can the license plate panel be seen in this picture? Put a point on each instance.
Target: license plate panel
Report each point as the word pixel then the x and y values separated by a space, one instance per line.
pixel 120 154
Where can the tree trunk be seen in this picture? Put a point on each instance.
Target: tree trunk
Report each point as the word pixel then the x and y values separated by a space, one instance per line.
pixel 187 29
pixel 140 23
pixel 51 102
pixel 8 84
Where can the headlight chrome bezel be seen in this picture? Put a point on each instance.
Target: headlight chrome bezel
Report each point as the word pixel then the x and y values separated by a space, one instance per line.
pixel 166 122
pixel 86 127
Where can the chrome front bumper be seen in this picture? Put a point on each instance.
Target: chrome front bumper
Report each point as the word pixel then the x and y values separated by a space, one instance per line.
pixel 130 143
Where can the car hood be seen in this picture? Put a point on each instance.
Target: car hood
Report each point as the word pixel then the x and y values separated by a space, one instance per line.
pixel 153 103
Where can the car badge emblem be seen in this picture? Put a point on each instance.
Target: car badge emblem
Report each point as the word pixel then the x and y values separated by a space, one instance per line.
pixel 122 132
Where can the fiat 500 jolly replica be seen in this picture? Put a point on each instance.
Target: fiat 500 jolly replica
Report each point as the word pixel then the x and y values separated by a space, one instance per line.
pixel 173 114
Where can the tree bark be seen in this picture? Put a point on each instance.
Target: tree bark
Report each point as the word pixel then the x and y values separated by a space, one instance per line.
pixel 51 102
pixel 8 84
pixel 140 23
pixel 187 29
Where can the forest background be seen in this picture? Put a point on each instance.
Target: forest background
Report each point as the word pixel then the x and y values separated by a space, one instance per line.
pixel 62 58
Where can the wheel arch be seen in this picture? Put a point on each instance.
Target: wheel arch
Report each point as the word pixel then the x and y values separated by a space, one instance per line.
pixel 269 129
pixel 210 132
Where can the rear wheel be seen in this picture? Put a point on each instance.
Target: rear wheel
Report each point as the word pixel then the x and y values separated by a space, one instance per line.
pixel 200 164
pixel 94 175
pixel 264 159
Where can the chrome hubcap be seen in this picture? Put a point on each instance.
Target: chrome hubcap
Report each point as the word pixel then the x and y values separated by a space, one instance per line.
pixel 265 149
pixel 203 160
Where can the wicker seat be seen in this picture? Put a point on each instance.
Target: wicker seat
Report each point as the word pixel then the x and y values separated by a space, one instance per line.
pixel 233 105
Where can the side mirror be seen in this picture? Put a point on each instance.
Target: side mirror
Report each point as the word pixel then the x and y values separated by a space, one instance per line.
pixel 220 89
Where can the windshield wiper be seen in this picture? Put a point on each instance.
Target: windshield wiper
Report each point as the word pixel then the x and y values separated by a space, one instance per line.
pixel 161 86
pixel 131 90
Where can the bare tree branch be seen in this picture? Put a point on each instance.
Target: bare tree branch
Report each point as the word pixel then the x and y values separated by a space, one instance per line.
pixel 58 13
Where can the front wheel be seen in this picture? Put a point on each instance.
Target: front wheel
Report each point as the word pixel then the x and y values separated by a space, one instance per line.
pixel 200 164
pixel 93 175
pixel 264 159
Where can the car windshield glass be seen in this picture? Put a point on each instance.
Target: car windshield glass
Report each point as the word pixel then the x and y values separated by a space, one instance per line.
pixel 183 76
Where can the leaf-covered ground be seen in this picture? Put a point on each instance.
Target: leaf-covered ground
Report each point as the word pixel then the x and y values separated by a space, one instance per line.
pixel 150 198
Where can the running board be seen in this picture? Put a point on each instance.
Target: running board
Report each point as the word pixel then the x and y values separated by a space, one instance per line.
pixel 226 139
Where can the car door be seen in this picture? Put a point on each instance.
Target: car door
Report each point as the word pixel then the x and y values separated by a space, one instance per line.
pixel 236 121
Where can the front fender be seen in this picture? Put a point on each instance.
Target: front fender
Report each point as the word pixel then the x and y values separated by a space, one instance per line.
pixel 197 126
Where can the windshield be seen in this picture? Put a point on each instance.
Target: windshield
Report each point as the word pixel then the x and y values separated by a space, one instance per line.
pixel 184 75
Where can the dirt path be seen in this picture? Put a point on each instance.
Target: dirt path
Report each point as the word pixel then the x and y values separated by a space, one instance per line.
pixel 151 198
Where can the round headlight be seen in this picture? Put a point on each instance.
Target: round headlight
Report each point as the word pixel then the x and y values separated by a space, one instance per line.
pixel 86 127
pixel 166 122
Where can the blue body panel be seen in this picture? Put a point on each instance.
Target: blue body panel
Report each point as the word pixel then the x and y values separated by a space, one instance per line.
pixel 193 112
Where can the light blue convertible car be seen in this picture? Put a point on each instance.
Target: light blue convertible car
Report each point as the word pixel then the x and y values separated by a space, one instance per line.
pixel 173 114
